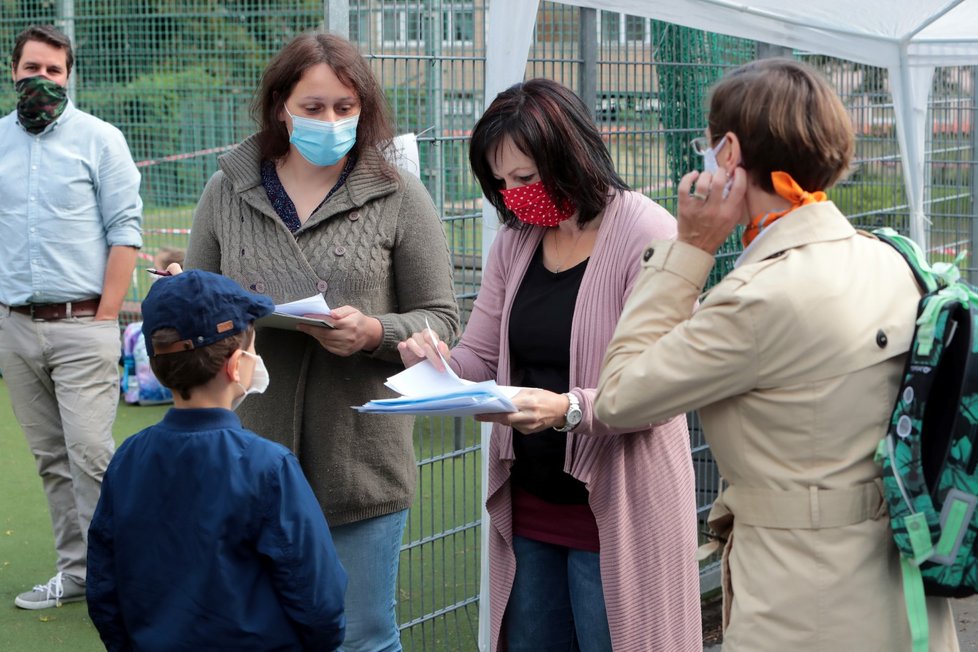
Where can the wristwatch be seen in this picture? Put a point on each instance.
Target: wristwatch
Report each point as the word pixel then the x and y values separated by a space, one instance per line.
pixel 573 416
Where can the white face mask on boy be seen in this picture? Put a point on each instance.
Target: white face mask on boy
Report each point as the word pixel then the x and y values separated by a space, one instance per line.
pixel 259 380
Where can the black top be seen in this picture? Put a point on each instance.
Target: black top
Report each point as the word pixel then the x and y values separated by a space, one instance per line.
pixel 539 342
pixel 280 199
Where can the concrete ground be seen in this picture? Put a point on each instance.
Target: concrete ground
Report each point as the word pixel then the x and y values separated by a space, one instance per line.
pixel 966 614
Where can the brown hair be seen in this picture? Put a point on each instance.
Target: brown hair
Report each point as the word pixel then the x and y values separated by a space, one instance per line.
pixel 168 255
pixel 787 118
pixel 45 34
pixel 375 128
pixel 184 370
pixel 551 125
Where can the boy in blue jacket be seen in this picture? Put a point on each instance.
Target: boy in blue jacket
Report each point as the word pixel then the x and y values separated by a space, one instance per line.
pixel 206 536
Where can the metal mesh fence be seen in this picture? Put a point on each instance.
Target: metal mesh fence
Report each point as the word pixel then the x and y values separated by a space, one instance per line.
pixel 177 78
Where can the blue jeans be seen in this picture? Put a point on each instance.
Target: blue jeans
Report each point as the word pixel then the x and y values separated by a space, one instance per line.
pixel 557 603
pixel 370 551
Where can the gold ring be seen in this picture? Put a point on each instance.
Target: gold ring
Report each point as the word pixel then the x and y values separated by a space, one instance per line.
pixel 699 195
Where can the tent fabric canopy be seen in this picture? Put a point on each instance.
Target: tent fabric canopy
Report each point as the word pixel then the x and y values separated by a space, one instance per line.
pixel 907 37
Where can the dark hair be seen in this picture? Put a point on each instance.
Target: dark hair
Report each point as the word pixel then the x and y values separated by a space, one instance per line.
pixel 551 125
pixel 184 370
pixel 45 34
pixel 375 128
pixel 787 118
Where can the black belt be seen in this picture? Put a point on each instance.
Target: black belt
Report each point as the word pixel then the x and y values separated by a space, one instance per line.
pixel 56 311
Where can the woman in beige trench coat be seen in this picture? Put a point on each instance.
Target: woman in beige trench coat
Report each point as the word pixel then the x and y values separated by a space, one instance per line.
pixel 793 361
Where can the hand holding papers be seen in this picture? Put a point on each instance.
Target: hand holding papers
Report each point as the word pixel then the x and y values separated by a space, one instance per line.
pixel 428 391
pixel 289 315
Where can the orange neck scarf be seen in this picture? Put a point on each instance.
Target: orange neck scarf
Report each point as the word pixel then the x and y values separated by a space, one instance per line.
pixel 787 188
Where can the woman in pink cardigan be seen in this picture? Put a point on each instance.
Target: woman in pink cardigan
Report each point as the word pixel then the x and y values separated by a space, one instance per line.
pixel 592 529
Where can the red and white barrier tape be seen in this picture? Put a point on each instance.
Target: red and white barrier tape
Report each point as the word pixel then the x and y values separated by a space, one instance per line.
pixel 184 156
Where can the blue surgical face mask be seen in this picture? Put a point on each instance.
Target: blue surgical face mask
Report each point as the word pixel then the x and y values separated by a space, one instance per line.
pixel 323 143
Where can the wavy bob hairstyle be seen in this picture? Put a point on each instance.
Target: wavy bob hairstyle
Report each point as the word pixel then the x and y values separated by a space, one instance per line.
pixel 551 125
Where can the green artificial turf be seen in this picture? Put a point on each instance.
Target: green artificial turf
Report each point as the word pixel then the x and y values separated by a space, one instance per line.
pixel 26 544
pixel 434 575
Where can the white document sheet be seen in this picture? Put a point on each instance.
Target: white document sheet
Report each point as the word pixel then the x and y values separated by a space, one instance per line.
pixel 427 391
pixel 315 304
pixel 289 315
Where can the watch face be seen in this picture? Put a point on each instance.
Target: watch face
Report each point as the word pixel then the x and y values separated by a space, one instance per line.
pixel 574 416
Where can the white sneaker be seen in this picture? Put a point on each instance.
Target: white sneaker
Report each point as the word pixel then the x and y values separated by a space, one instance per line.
pixel 59 589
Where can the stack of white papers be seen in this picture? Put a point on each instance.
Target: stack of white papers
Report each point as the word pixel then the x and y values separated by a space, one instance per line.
pixel 289 315
pixel 427 391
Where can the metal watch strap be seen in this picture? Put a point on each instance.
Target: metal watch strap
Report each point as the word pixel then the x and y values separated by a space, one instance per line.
pixel 575 406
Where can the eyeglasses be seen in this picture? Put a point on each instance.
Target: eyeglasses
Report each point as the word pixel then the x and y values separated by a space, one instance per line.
pixel 701 145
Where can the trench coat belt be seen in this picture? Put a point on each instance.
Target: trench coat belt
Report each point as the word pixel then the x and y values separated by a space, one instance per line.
pixel 806 509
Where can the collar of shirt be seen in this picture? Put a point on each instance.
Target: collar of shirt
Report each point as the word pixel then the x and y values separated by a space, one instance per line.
pixel 200 419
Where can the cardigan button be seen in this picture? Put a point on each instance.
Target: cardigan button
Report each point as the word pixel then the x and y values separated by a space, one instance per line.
pixel 339 250
pixel 259 287
pixel 881 339
pixel 353 216
pixel 648 254
pixel 322 286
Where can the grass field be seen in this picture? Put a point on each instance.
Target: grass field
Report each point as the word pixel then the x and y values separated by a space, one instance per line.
pixel 437 570
pixel 26 544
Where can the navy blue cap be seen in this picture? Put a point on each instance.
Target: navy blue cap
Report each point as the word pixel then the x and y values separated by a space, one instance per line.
pixel 203 308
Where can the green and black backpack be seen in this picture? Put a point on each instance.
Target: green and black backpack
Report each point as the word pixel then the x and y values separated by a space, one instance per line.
pixel 930 452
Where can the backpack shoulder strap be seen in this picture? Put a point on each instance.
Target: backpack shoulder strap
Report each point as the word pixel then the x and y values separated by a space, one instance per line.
pixel 914 256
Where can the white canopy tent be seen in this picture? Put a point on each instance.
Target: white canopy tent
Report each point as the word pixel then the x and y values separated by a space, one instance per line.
pixel 907 37
pixel 910 38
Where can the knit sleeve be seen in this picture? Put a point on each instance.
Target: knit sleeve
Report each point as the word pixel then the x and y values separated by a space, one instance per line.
pixel 422 269
pixel 204 249
pixel 477 355
pixel 635 221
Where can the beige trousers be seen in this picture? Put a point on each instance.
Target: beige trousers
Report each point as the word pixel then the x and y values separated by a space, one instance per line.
pixel 63 379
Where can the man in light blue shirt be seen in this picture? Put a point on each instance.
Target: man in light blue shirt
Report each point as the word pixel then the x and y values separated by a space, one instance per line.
pixel 69 230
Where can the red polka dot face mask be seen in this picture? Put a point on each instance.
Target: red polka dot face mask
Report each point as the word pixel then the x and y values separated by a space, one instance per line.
pixel 534 205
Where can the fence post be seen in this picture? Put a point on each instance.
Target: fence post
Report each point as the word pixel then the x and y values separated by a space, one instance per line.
pixel 973 248
pixel 66 20
pixel 769 50
pixel 336 17
pixel 434 170
pixel 588 72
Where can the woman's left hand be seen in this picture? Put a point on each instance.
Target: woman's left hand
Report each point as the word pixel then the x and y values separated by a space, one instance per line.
pixel 709 212
pixel 352 331
pixel 537 409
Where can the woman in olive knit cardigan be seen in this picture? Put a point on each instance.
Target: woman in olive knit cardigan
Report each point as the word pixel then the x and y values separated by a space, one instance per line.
pixel 310 205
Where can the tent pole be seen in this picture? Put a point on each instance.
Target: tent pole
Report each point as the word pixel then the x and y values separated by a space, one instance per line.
pixel 769 51
pixel 509 38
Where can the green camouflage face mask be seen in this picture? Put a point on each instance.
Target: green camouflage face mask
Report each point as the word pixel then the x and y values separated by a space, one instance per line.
pixel 40 102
